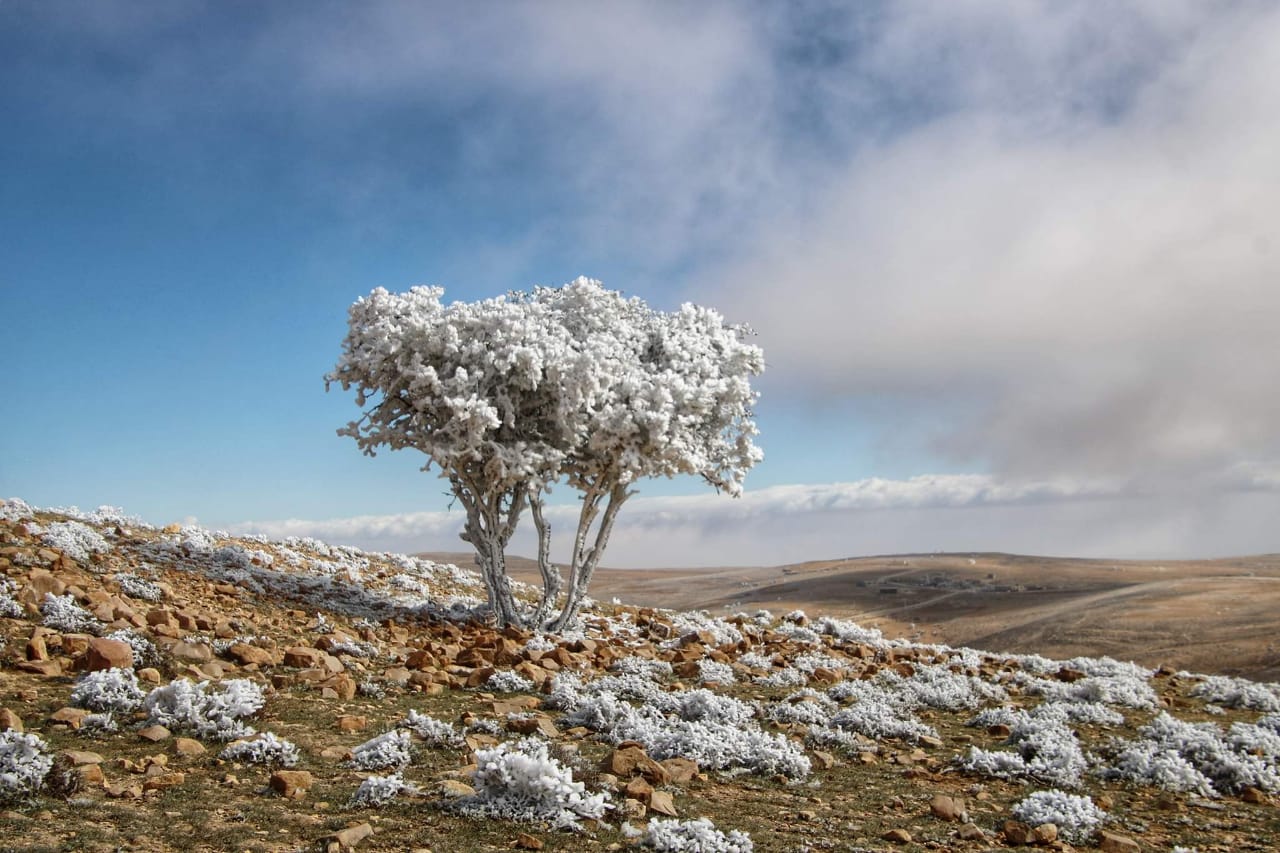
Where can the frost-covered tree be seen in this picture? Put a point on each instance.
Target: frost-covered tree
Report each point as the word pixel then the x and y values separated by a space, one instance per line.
pixel 577 384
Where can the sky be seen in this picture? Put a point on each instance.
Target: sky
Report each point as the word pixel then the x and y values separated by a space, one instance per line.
pixel 1015 265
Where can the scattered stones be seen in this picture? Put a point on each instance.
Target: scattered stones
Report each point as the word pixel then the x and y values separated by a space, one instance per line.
pixel 1016 832
pixel 971 832
pixel 947 808
pixel 291 784
pixel 163 781
pixel 351 723
pixel 1045 833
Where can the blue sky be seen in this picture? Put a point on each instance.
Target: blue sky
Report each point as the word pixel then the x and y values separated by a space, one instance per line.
pixel 1013 264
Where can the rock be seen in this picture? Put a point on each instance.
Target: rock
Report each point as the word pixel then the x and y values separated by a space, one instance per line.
pixel 660 802
pixel 1253 795
pixel 630 758
pixel 1016 832
pixel 162 781
pixel 1110 842
pixel 947 808
pixel 149 675
pixel 639 789
pixel 345 839
pixel 453 789
pixel 191 652
pixel 634 809
pixel 154 734
pixel 124 790
pixel 108 654
pixel 37 648
pixel 302 657
pixel 525 841
pixel 897 836
pixel 291 784
pixel 187 747
pixel 680 770
pixel 69 716
pixel 1045 833
pixel 352 723
pixel 971 832
pixel 48 668
pixel 821 760
pixel 79 757
pixel 10 721
pixel 245 654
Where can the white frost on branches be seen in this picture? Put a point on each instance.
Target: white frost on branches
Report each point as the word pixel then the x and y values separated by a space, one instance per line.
pixel 522 782
pixel 507 396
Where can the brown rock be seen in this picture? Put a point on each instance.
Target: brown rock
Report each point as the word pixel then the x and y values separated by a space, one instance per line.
pixel 947 808
pixel 897 836
pixel 48 668
pixel 660 802
pixel 344 686
pixel 525 841
pixel 1110 842
pixel 161 781
pixel 352 723
pixel 37 648
pixel 69 716
pixel 187 747
pixel 1045 833
pixel 154 734
pixel 345 839
pixel 291 784
pixel 302 657
pixel 1253 795
pixel 630 758
pixel 971 832
pixel 634 809
pixel 124 790
pixel 639 789
pixel 680 770
pixel 78 758
pixel 10 721
pixel 108 654
pixel 191 652
pixel 245 654
pixel 453 789
pixel 1016 832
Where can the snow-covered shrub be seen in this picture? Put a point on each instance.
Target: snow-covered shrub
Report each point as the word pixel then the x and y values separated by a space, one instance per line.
pixel 1182 756
pixel 521 781
pixel 1131 690
pixel 24 762
pixel 354 648
pixel 484 726
pixel 266 748
pixel 756 660
pixel 61 613
pixel 848 631
pixel 375 791
pixel 1238 693
pixel 787 677
pixel 715 672
pixel 9 606
pixel 432 731
pixel 98 724
pixel 216 714
pixel 508 681
pixel 1047 751
pixel 108 690
pixel 76 540
pixel 15 509
pixel 139 588
pixel 656 670
pixel 695 836
pixel 1076 817
pixel 389 749
pixel 804 706
pixel 145 652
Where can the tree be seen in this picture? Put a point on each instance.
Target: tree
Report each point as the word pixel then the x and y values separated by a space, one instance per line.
pixel 511 395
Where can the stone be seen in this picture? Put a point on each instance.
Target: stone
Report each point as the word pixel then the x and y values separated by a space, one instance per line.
pixel 48 668
pixel 680 770
pixel 191 652
pixel 154 734
pixel 345 839
pixel 630 758
pixel 947 808
pixel 1016 832
pixel 69 716
pixel 971 832
pixel 352 723
pixel 638 789
pixel 79 757
pixel 246 655
pixel 634 809
pixel 291 784
pixel 1111 842
pixel 187 747
pixel 124 790
pixel 897 836
pixel 108 654
pixel 525 841
pixel 453 789
pixel 660 802
pixel 302 657
pixel 1045 833
pixel 163 781
pixel 149 675
pixel 1253 795
pixel 10 721
pixel 37 648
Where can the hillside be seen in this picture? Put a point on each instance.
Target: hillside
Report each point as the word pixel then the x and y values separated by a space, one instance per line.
pixel 179 689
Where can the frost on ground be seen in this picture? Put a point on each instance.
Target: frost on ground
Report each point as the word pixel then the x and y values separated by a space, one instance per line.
pixel 1076 817
pixel 24 762
pixel 108 690
pixel 389 749
pixel 376 791
pixel 211 713
pixel 695 836
pixel 266 749
pixel 520 781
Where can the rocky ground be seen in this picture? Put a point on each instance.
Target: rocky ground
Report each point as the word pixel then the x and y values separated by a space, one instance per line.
pixel 139 657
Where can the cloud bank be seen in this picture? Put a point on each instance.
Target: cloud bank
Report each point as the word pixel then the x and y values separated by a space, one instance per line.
pixel 783 524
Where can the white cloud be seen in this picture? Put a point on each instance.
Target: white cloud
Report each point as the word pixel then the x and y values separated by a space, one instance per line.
pixel 793 523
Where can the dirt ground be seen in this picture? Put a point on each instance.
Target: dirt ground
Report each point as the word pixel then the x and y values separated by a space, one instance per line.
pixel 1218 616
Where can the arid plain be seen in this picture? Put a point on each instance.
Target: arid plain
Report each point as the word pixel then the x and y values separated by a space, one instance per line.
pixel 1218 616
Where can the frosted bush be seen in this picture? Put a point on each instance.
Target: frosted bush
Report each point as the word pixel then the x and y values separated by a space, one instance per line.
pixel 62 614
pixel 389 749
pixel 15 509
pixel 799 634
pixel 695 836
pixel 787 677
pixel 485 726
pixel 216 714
pixel 721 632
pixel 1076 817
pixel 1270 722
pixel 98 724
pixel 1182 756
pixel 145 652
pixel 804 706
pixel 715 672
pixel 354 648
pixel 1238 693
pixel 266 749
pixel 108 690
pixel 432 731
pixel 755 660
pixel 507 681
pixel 1047 751
pixel 520 781
pixel 1127 689
pixel 76 540
pixel 139 588
pixel 376 791
pixel 846 631
pixel 9 606
pixel 539 643
pixel 647 667
pixel 24 762
pixel 880 720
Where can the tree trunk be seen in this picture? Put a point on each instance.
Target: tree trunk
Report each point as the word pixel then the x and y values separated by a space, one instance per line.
pixel 552 582
pixel 586 559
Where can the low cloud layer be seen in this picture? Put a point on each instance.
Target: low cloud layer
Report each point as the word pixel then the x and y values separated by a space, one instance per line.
pixel 786 524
